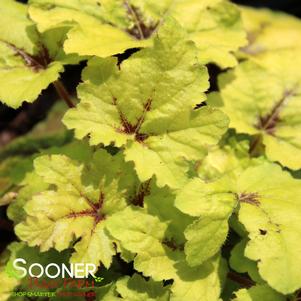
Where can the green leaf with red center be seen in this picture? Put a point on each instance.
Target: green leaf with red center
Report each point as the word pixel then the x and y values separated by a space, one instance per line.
pixel 264 27
pixel 144 232
pixel 107 27
pixel 30 61
pixel 82 201
pixel 262 99
pixel 146 105
pixel 267 202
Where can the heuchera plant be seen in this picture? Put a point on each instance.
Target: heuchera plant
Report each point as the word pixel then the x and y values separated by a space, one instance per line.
pixel 177 185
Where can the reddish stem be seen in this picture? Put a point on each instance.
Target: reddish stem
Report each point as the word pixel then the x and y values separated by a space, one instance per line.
pixel 63 93
pixel 243 281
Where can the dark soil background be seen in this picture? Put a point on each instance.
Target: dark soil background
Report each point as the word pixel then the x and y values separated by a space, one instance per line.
pixel 289 6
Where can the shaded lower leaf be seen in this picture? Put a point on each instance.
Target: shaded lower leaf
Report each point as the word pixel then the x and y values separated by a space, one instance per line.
pixel 258 293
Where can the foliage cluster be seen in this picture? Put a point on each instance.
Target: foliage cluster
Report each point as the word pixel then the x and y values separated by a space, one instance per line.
pixel 177 184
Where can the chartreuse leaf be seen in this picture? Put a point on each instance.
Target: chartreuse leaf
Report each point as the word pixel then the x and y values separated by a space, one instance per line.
pixel 31 184
pixel 200 283
pixel 136 288
pixel 8 283
pixel 13 281
pixel 19 80
pixel 258 293
pixel 241 264
pixel 29 61
pixel 23 72
pixel 204 239
pixel 141 233
pixel 215 26
pixel 269 209
pixel 23 35
pixel 162 258
pixel 161 203
pixel 265 26
pixel 263 100
pixel 213 204
pixel 107 27
pixel 230 156
pixel 94 25
pixel 147 107
pixel 79 206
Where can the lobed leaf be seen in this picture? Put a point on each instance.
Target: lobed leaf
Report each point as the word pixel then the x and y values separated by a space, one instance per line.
pixel 79 207
pixel 213 203
pixel 24 72
pixel 264 26
pixel 269 208
pixel 163 259
pixel 146 106
pixel 104 28
pixel 262 99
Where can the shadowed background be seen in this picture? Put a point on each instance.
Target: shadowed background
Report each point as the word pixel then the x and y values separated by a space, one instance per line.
pixel 290 6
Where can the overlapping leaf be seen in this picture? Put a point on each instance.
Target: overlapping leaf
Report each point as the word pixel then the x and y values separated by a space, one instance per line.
pixel 16 184
pixel 263 99
pixel 258 293
pixel 230 156
pixel 213 203
pixel 11 279
pixel 29 61
pixel 136 288
pixel 146 105
pixel 264 27
pixel 163 259
pixel 107 27
pixel 22 76
pixel 19 80
pixel 241 264
pixel 79 207
pixel 92 202
pixel 8 283
pixel 270 211
pixel 215 27
pixel 269 208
